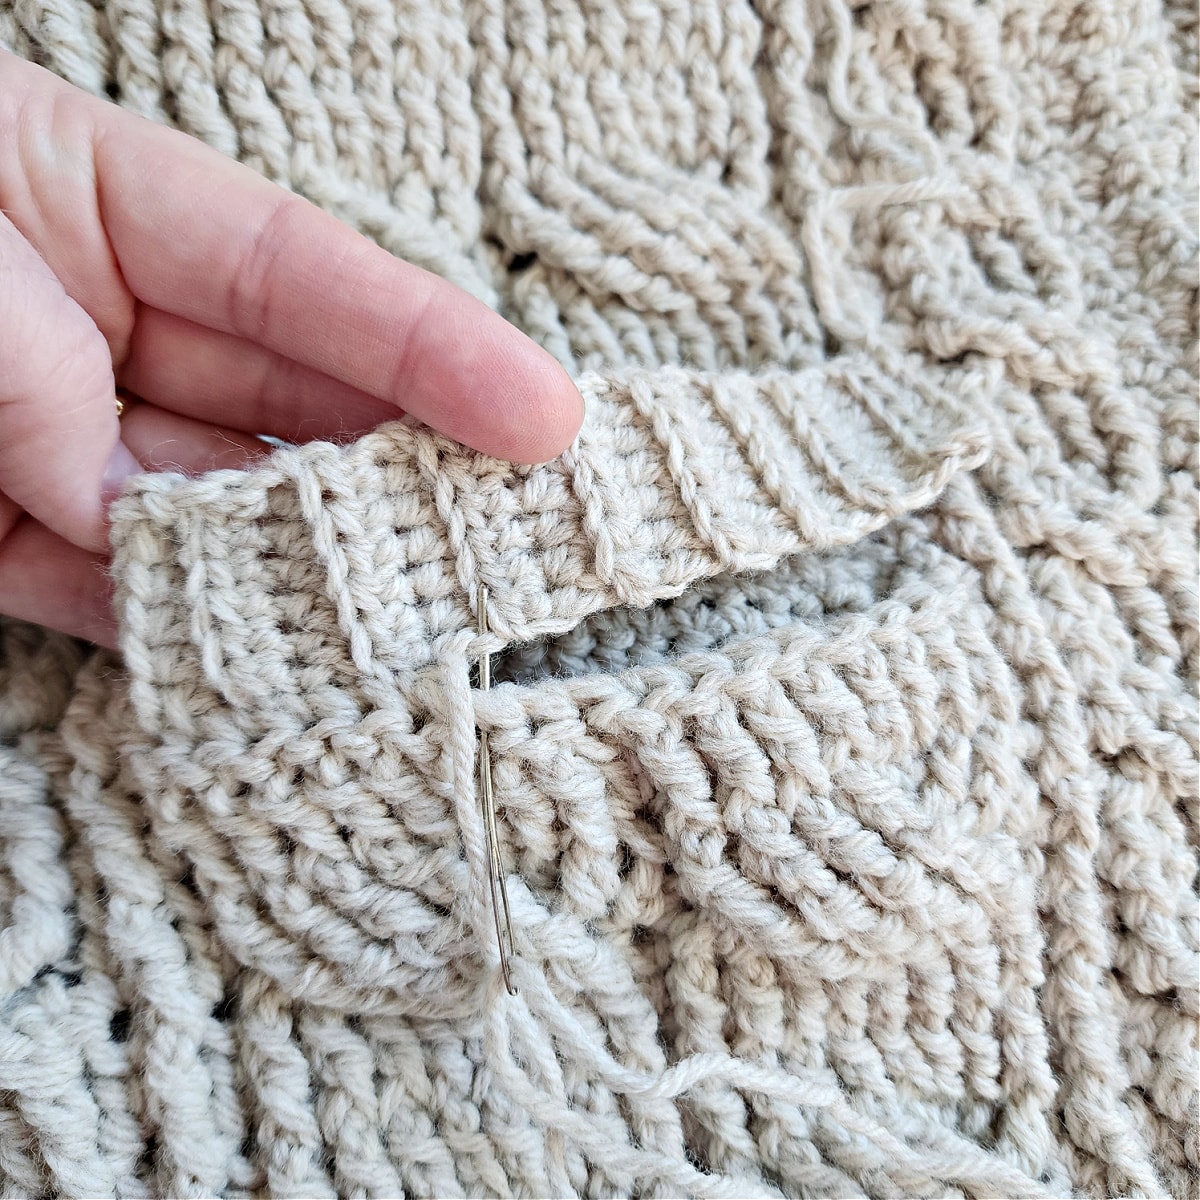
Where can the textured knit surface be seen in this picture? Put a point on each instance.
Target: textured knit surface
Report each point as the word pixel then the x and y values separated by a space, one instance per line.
pixel 845 743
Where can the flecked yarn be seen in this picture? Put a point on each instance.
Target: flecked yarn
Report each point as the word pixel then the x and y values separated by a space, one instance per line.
pixel 845 731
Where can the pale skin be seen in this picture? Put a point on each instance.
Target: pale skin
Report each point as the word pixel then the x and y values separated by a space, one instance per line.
pixel 133 256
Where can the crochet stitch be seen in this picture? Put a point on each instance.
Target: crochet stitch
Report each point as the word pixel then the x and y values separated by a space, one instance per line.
pixel 844 732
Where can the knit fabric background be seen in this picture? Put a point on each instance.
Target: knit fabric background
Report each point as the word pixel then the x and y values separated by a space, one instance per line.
pixel 845 738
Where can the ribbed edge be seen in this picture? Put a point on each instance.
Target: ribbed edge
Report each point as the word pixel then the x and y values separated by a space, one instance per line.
pixel 380 545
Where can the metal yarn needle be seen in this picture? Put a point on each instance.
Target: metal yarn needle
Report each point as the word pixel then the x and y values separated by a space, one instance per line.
pixel 504 930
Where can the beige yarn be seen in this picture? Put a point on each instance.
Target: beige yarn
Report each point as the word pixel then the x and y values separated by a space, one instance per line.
pixel 845 736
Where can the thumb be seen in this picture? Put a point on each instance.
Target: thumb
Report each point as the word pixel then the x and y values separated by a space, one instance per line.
pixel 61 457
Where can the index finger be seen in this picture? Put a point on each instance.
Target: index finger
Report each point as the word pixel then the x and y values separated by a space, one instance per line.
pixel 204 238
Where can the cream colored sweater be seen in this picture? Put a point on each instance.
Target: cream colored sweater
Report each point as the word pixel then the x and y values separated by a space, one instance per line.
pixel 845 733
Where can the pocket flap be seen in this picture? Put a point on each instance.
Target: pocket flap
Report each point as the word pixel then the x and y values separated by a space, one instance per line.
pixel 380 545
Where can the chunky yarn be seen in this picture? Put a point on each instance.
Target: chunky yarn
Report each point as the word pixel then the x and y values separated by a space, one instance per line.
pixel 845 732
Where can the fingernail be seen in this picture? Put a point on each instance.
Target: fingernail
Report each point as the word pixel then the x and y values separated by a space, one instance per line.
pixel 121 464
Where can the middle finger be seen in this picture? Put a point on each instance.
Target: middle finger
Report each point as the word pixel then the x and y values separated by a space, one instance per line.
pixel 227 381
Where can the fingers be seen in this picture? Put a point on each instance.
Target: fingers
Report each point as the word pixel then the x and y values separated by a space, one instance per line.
pixel 203 238
pixel 60 452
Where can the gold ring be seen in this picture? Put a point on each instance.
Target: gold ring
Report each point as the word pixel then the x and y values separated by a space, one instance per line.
pixel 124 400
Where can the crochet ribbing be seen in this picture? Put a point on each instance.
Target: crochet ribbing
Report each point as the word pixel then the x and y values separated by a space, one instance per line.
pixel 845 733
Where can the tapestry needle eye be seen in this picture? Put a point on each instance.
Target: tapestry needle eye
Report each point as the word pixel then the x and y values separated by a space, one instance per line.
pixel 504 930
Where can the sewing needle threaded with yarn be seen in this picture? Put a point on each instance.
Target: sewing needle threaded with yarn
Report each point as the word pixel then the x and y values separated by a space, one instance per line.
pixel 487 798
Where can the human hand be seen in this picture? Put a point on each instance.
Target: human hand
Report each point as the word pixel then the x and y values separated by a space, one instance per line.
pixel 134 256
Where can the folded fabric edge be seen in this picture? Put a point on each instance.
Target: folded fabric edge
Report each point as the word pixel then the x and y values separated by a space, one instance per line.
pixel 677 475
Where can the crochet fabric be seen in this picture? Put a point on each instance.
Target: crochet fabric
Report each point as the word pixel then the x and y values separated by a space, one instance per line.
pixel 845 733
